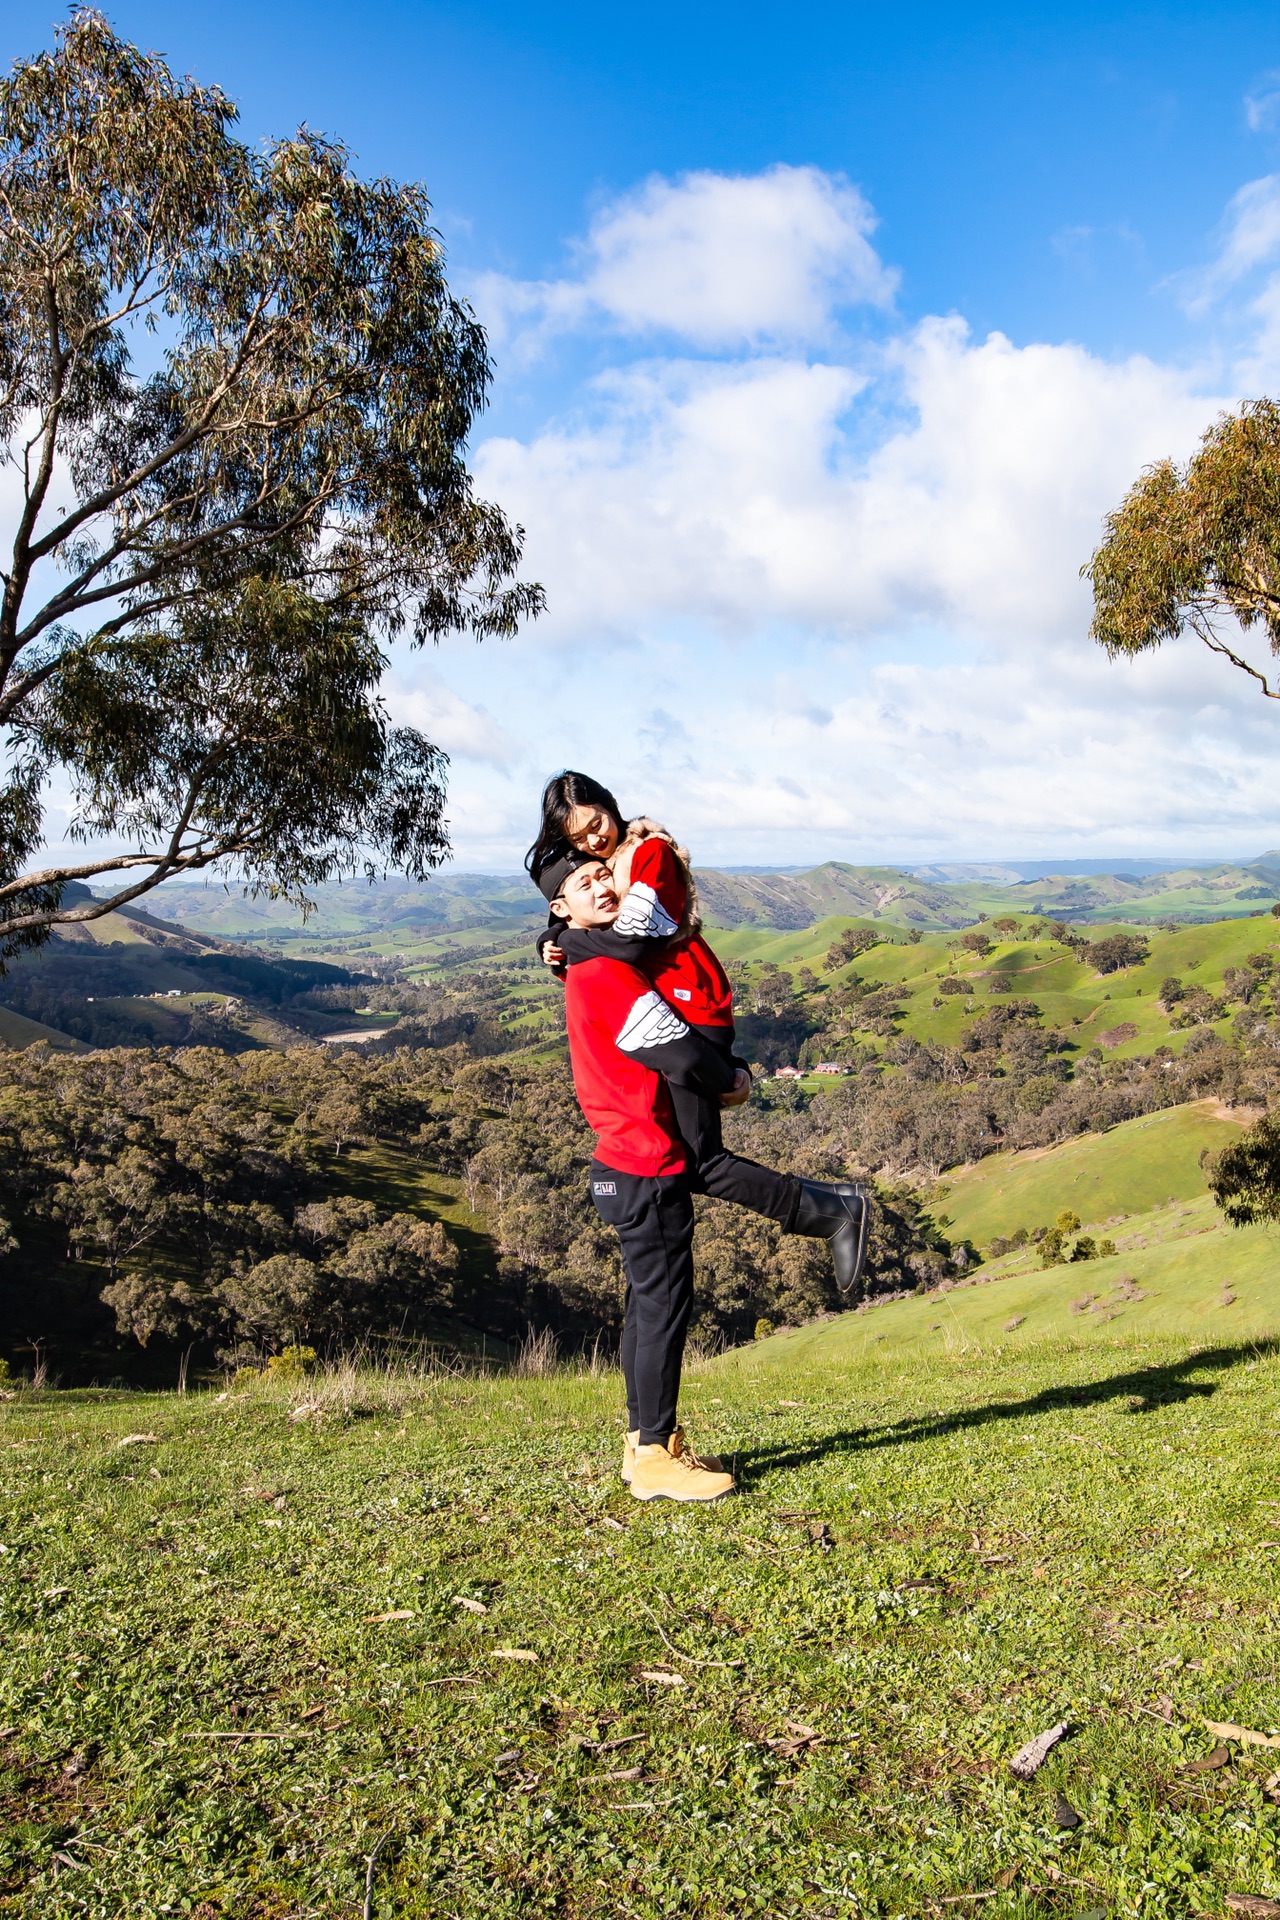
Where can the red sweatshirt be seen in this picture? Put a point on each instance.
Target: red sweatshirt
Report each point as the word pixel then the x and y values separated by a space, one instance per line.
pixel 688 976
pixel 624 1044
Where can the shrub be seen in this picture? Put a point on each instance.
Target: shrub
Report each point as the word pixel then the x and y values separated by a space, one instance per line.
pixel 763 1328
pixel 1105 1249
pixel 1051 1247
pixel 294 1363
pixel 1085 1248
pixel 1245 1177
pixel 954 984
pixel 1067 1221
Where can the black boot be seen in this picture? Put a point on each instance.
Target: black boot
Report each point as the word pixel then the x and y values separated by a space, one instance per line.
pixel 841 1216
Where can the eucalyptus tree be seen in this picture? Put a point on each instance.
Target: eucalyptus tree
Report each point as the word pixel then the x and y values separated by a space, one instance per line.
pixel 1196 548
pixel 235 395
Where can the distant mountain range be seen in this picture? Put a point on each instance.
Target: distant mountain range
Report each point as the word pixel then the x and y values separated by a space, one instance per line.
pixel 904 898
pixel 448 902
pixel 935 896
pixel 1014 870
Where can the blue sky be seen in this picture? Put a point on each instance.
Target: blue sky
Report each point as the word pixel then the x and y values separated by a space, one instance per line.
pixel 824 337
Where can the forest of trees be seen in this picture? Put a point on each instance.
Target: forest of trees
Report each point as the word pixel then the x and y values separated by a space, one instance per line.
pixel 193 1197
pixel 229 1202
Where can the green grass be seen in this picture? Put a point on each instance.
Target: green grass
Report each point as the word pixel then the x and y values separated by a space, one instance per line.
pixel 1177 1270
pixel 1090 1524
pixel 1135 1166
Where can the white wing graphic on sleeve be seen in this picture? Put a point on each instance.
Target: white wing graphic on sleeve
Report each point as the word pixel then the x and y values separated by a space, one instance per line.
pixel 650 1023
pixel 643 916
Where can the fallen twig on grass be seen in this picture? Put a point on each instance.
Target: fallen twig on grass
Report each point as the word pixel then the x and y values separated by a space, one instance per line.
pixel 605 1746
pixel 249 1733
pixel 690 1658
pixel 368 1878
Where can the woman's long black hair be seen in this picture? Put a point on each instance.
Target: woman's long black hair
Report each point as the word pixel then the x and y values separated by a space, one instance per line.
pixel 560 796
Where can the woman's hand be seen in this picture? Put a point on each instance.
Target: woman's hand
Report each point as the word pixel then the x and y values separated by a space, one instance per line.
pixel 552 955
pixel 741 1090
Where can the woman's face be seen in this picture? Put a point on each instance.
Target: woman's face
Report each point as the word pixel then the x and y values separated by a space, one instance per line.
pixel 592 830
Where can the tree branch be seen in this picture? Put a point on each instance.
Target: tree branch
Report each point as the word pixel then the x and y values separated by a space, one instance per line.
pixel 107 497
pixel 24 554
pixel 1215 645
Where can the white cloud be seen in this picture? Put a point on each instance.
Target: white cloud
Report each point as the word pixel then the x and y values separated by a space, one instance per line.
pixel 465 731
pixel 998 753
pixel 1250 238
pixel 717 260
pixel 1262 104
pixel 715 532
pixel 1238 291
pixel 741 494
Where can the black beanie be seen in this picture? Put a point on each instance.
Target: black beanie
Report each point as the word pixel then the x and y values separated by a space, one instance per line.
pixel 553 875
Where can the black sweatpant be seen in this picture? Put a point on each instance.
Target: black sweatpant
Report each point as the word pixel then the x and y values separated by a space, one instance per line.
pixel 716 1171
pixel 653 1217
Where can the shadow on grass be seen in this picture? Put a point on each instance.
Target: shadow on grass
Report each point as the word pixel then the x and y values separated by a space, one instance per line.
pixel 1145 1387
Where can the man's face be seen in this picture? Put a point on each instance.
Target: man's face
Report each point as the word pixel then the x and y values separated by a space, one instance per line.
pixel 588 897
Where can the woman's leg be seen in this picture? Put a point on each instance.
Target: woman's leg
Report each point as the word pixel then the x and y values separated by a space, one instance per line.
pixel 714 1169
pixel 724 1175
pixel 820 1210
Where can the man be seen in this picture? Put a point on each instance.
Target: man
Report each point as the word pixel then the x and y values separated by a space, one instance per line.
pixel 625 1045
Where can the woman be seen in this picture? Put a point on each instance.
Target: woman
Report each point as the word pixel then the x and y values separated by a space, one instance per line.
pixel 657 929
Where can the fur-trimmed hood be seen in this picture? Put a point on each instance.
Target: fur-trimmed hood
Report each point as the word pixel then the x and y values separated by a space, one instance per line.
pixel 643 828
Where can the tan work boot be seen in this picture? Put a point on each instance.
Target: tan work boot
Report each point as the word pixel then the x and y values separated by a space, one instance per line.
pixel 671 1473
pixel 711 1461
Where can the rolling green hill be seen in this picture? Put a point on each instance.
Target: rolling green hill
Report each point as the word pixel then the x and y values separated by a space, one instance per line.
pixel 17 1031
pixel 1119 1012
pixel 449 902
pixel 395 915
pixel 1132 1168
pixel 1178 1271
pixel 132 978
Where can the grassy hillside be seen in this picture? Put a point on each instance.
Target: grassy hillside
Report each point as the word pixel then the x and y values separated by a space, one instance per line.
pixel 17 1031
pixel 450 902
pixel 238 1663
pixel 1129 1169
pixel 1070 994
pixel 1178 1269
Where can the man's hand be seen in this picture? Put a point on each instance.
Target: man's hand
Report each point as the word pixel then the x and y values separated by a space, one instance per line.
pixel 741 1090
pixel 552 955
